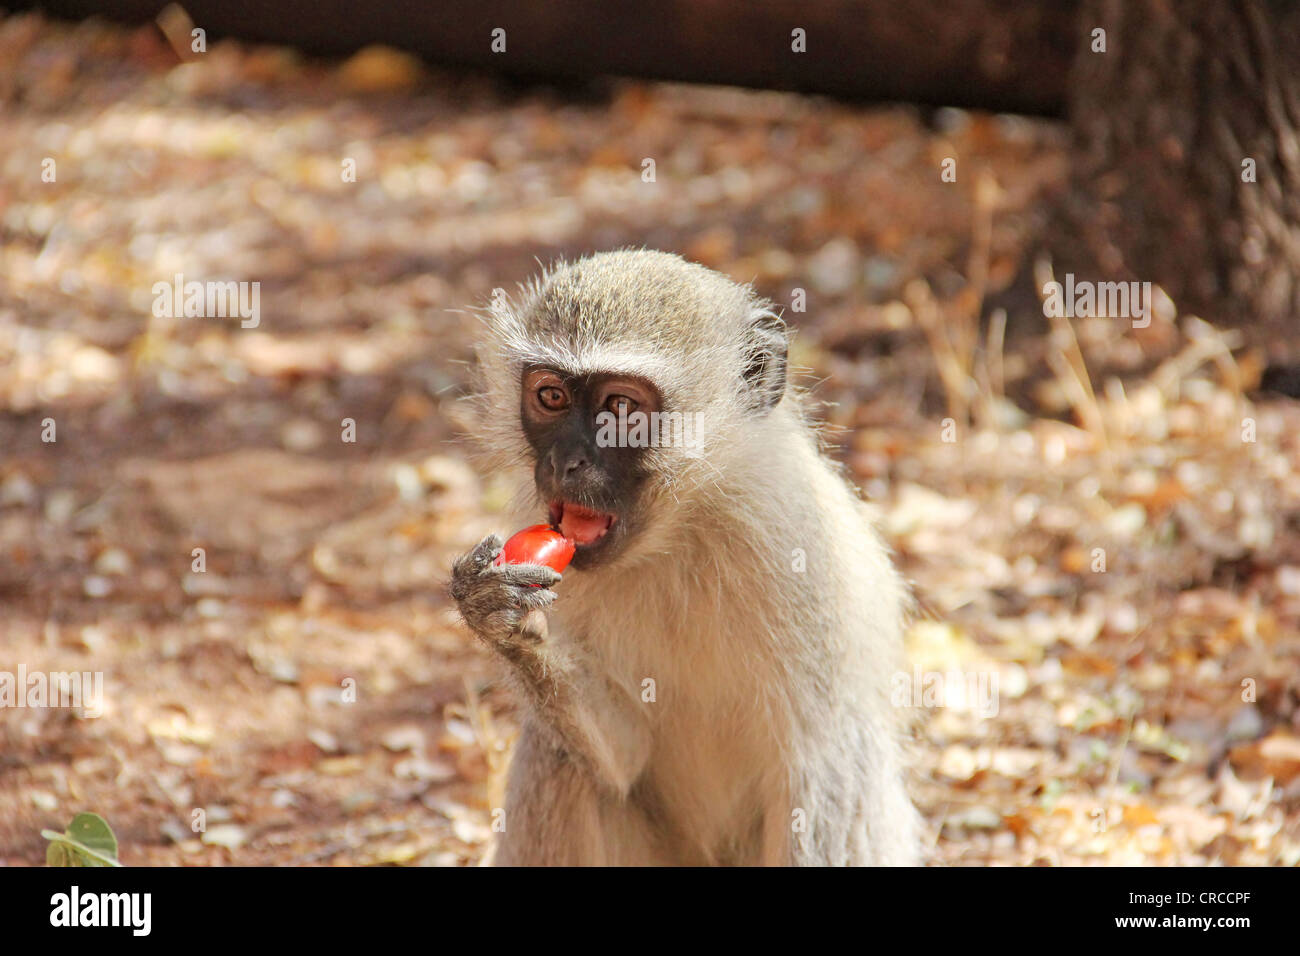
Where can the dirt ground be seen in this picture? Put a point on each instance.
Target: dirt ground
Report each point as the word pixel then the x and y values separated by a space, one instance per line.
pixel 1102 518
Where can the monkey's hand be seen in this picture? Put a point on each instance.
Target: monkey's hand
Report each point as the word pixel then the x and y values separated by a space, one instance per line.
pixel 590 718
pixel 498 601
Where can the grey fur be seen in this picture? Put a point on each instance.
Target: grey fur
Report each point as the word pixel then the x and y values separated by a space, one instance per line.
pixel 771 738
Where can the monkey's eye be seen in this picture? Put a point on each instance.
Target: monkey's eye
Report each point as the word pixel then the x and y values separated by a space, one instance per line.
pixel 552 398
pixel 620 404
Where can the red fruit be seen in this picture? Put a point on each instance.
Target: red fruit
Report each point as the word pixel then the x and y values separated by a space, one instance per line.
pixel 538 545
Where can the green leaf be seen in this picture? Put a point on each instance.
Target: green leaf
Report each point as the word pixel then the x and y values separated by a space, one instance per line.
pixel 88 841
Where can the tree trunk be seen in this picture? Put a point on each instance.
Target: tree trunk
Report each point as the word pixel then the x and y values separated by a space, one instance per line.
pixel 1168 123
pixel 988 54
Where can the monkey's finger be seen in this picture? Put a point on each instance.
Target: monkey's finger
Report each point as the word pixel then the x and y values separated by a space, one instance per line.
pixel 533 627
pixel 524 597
pixel 479 557
pixel 538 574
pixel 486 551
pixel 533 598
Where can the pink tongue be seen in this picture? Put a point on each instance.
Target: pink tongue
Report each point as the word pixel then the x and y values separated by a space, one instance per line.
pixel 580 527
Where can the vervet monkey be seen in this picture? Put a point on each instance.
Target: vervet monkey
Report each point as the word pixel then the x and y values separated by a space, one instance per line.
pixel 709 682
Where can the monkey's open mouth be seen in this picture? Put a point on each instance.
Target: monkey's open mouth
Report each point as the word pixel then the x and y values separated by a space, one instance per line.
pixel 580 525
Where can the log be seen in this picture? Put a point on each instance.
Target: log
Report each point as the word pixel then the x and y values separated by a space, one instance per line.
pixel 999 55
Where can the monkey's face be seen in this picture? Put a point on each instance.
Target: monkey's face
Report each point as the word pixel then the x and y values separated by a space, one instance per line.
pixel 587 472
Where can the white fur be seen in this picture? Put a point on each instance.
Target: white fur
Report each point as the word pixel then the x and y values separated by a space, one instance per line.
pixel 771 684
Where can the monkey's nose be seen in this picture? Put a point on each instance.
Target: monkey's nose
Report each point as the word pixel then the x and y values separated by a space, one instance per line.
pixel 568 463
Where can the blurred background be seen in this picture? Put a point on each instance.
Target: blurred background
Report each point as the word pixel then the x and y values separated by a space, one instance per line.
pixel 1103 516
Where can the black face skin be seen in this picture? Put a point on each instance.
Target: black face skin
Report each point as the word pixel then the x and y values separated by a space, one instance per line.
pixel 558 413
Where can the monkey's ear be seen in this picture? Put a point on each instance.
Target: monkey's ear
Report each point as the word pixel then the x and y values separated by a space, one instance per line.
pixel 767 346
